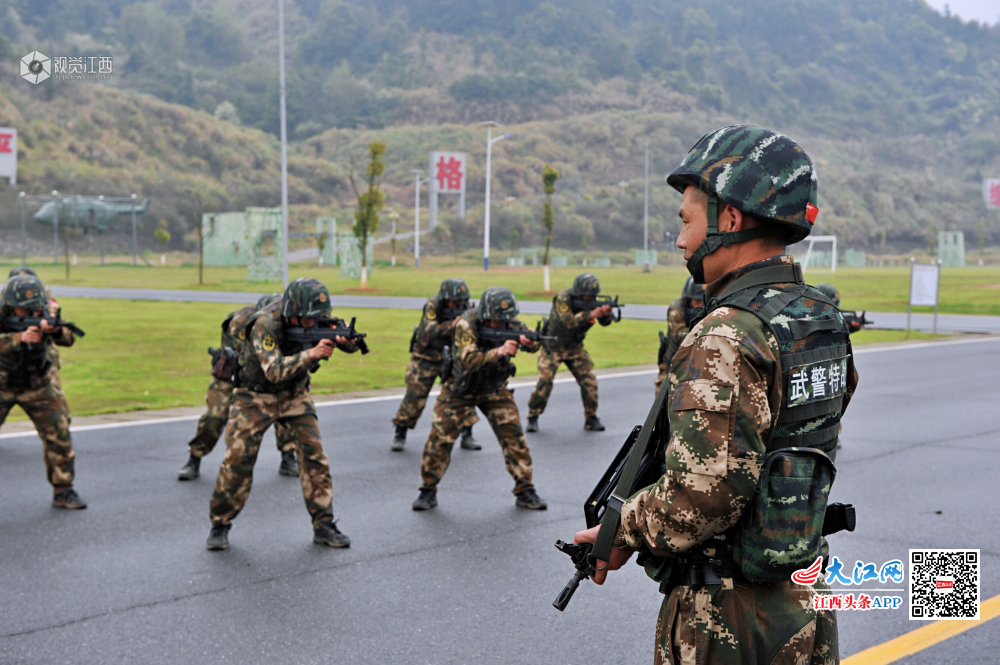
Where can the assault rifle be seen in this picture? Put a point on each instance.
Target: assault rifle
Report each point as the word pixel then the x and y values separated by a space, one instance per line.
pixel 225 363
pixel 855 322
pixel 500 335
pixel 325 329
pixel 581 305
pixel 16 323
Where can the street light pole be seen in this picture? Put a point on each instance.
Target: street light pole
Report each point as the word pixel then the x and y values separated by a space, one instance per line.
pixel 24 235
pixel 416 216
pixel 55 228
pixel 645 212
pixel 394 216
pixel 284 144
pixel 135 237
pixel 490 124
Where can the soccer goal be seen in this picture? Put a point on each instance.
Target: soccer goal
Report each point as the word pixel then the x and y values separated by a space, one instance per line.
pixel 821 239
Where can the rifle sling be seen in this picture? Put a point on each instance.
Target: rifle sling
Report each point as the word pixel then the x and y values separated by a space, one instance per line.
pixel 612 515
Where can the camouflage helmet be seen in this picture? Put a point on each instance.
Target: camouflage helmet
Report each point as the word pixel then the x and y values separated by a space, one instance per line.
pixel 497 304
pixel 25 291
pixel 585 284
pixel 306 297
pixel 267 300
pixel 693 291
pixel 757 171
pixel 22 270
pixel 454 288
pixel 830 291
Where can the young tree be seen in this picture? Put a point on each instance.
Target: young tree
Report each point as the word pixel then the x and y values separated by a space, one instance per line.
pixel 369 203
pixel 549 177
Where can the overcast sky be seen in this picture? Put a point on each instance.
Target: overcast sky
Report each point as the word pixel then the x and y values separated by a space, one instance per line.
pixel 984 11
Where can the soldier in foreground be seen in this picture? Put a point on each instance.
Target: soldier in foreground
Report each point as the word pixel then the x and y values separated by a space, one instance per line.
pixel 224 370
pixel 569 322
pixel 680 315
pixel 274 388
pixel 29 378
pixel 742 439
pixel 477 377
pixel 427 359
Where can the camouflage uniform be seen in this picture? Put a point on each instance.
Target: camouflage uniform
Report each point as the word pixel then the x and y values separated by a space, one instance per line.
pixel 570 328
pixel 213 422
pixel 725 401
pixel 426 360
pixel 486 387
pixel 274 388
pixel 30 378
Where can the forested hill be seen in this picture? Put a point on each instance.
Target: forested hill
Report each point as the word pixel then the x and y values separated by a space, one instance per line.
pixel 830 65
pixel 899 105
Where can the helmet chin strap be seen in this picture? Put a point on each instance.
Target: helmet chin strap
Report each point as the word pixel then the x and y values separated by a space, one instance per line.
pixel 716 239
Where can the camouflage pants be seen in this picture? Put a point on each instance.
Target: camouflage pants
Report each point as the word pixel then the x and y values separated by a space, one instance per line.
pixel 420 376
pixel 750 623
pixel 450 411
pixel 250 414
pixel 48 410
pixel 212 423
pixel 579 363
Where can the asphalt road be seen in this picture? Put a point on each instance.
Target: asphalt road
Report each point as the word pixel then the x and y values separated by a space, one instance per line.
pixel 129 579
pixel 946 323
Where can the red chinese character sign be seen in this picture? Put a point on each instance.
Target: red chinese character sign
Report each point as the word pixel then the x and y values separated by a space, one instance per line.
pixel 991 193
pixel 447 176
pixel 8 154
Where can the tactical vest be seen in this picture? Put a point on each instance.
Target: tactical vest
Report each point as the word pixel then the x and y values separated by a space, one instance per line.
pixel 782 529
pixel 567 338
pixel 434 345
pixel 26 367
pixel 252 375
pixel 485 381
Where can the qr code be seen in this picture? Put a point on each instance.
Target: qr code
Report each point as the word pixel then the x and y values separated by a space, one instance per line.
pixel 944 584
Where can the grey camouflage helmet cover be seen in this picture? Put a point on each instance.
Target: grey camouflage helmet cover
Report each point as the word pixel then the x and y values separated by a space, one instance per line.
pixel 22 270
pixel 454 288
pixel 267 300
pixel 25 291
pixel 830 291
pixel 497 304
pixel 585 284
pixel 692 290
pixel 756 170
pixel 306 297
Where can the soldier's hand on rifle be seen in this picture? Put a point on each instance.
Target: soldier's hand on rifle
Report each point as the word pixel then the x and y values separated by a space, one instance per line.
pixel 32 335
pixel 49 329
pixel 618 557
pixel 509 347
pixel 323 350
pixel 602 311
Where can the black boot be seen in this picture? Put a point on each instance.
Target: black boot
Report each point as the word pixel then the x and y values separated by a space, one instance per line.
pixel 69 500
pixel 529 499
pixel 289 465
pixel 400 440
pixel 190 471
pixel 328 534
pixel 532 424
pixel 426 500
pixel 594 424
pixel 468 441
pixel 218 537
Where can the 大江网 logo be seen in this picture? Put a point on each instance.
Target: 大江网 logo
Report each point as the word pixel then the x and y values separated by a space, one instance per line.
pixel 36 67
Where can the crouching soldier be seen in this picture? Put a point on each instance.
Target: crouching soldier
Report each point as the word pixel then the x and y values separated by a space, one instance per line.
pixel 224 367
pixel 274 388
pixel 29 378
pixel 477 377
pixel 573 314
pixel 427 359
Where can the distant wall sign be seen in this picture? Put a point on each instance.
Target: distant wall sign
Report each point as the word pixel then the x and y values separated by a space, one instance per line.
pixel 8 154
pixel 991 193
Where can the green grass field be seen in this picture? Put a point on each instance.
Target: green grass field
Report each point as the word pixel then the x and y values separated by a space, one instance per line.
pixel 970 290
pixel 152 355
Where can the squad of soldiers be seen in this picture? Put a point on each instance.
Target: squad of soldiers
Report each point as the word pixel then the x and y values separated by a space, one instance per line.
pixel 755 374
